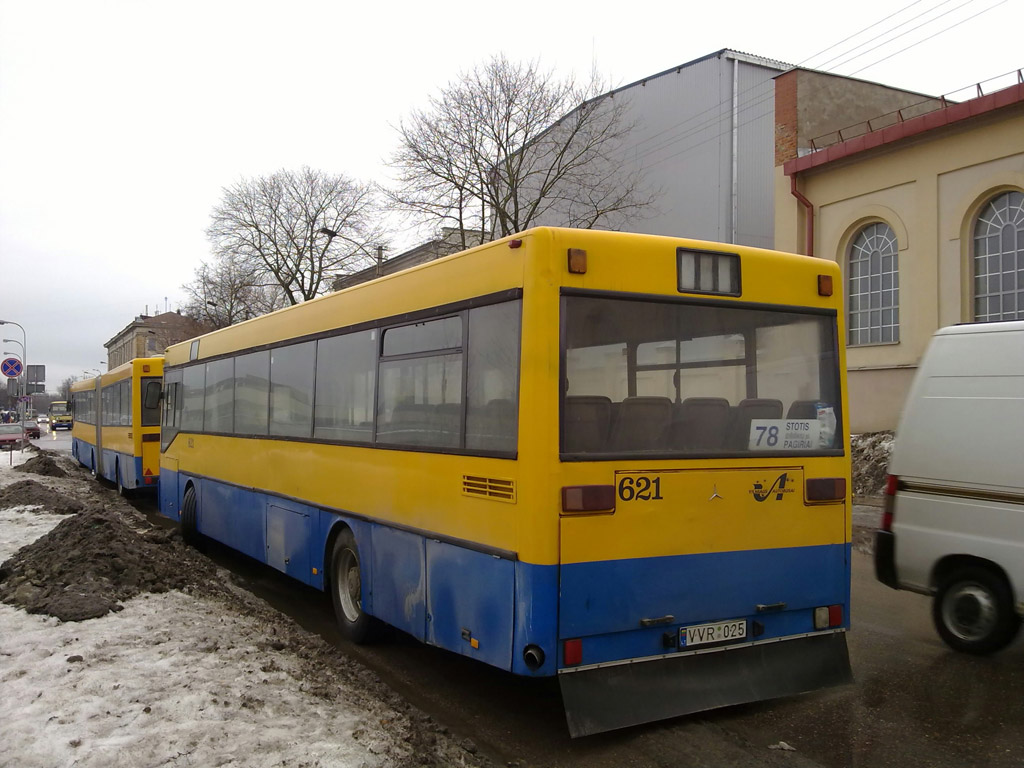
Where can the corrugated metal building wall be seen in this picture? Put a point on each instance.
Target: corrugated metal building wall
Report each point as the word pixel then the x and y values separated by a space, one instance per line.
pixel 705 135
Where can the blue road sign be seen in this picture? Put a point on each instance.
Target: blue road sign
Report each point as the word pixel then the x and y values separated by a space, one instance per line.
pixel 11 367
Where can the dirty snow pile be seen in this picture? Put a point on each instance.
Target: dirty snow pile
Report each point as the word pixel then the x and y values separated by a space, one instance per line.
pixel 870 453
pixel 121 646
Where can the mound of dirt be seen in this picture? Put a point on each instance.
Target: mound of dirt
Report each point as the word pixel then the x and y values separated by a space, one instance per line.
pixel 89 562
pixel 31 493
pixel 870 453
pixel 43 464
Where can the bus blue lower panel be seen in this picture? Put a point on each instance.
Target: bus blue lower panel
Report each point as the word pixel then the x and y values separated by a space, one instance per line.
pixel 493 608
pixel 608 603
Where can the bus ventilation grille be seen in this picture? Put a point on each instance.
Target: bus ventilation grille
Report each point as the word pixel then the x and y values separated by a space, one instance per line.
pixel 497 489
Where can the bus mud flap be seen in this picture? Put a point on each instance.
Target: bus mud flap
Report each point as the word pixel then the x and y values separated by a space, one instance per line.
pixel 604 698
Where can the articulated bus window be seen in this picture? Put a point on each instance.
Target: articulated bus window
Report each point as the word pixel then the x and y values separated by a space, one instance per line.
pixel 492 369
pixel 218 408
pixel 291 390
pixel 689 379
pixel 421 401
pixel 150 414
pixel 172 408
pixel 346 369
pixel 445 333
pixel 252 393
pixel 193 386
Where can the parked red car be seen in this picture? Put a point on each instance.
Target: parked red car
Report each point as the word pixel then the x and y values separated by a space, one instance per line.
pixel 32 429
pixel 12 437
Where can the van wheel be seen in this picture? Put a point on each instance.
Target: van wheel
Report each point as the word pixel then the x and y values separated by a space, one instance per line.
pixel 347 591
pixel 188 517
pixel 973 611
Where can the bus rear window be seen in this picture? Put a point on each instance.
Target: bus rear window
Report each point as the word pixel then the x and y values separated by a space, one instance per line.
pixel 674 378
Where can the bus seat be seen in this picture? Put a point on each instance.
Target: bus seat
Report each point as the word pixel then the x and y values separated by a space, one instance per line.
pixel 410 424
pixel 745 412
pixel 640 423
pixel 699 424
pixel 803 409
pixel 447 424
pixel 492 426
pixel 587 422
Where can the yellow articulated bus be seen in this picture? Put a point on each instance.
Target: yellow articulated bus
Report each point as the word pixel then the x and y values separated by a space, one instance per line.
pixel 619 459
pixel 116 431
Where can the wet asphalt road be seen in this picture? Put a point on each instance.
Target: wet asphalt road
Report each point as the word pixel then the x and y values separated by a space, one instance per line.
pixel 913 702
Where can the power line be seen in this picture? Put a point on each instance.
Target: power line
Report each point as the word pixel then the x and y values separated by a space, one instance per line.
pixel 986 10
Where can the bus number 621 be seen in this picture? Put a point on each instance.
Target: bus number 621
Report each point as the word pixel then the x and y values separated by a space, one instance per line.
pixel 641 488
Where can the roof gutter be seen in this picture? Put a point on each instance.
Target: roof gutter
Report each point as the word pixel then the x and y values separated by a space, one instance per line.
pixel 809 208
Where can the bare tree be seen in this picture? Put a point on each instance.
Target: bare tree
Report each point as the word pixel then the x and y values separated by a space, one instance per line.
pixel 227 291
pixel 508 146
pixel 64 390
pixel 273 230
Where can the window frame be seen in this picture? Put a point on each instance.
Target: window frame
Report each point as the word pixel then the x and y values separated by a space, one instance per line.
pixel 462 309
pixel 1014 211
pixel 869 328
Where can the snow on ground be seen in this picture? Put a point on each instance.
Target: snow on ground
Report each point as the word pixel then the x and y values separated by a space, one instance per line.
pixel 186 678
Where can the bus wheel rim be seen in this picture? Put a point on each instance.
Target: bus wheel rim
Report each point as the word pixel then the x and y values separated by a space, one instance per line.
pixel 350 586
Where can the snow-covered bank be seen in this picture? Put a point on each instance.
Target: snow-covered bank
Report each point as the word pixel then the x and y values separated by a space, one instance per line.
pixel 205 676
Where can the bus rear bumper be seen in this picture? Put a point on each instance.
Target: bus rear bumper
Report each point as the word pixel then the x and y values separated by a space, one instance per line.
pixel 615 696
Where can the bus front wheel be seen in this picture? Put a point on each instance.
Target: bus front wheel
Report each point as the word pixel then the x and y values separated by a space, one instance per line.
pixel 347 591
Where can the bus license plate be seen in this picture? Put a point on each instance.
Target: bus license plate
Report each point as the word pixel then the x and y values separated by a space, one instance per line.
pixel 720 631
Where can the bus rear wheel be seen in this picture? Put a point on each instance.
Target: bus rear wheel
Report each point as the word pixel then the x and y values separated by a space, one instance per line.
pixel 188 517
pixel 121 490
pixel 346 584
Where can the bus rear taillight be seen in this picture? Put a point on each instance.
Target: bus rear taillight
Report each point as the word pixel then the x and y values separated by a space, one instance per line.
pixel 826 489
pixel 891 484
pixel 588 498
pixel 572 652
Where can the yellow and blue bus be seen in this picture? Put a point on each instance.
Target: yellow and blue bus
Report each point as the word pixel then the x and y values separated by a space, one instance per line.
pixel 116 432
pixel 619 459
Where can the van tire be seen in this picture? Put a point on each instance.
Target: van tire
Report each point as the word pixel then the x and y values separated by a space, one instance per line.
pixel 973 611
pixel 346 580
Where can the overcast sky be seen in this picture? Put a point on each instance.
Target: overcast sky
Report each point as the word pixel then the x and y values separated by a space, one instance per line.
pixel 122 121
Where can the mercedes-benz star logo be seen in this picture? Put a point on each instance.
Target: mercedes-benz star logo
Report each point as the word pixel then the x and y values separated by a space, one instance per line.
pixel 715 494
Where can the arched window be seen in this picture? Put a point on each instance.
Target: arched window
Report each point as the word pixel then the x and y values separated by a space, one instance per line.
pixel 874 287
pixel 999 259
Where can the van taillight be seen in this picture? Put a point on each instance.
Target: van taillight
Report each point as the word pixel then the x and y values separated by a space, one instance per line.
pixel 891 484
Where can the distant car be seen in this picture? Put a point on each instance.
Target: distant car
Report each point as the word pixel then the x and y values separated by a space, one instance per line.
pixel 12 437
pixel 32 429
pixel 42 419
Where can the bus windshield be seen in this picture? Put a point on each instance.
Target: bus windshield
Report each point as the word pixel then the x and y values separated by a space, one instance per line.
pixel 59 409
pixel 691 379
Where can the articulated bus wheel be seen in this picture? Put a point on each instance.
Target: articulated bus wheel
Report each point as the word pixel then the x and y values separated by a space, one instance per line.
pixel 188 517
pixel 121 490
pixel 347 591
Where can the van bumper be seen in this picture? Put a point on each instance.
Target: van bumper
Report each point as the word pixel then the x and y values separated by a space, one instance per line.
pixel 885 558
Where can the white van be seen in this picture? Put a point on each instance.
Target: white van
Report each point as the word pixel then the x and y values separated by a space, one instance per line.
pixel 953 525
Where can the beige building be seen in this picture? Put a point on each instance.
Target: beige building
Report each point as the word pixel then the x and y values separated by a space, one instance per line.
pixel 146 336
pixel 923 208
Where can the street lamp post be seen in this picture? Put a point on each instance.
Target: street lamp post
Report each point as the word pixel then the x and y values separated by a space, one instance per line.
pixel 24 362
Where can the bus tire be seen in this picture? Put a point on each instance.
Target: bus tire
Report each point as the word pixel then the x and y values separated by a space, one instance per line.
pixel 121 490
pixel 973 611
pixel 346 584
pixel 189 531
